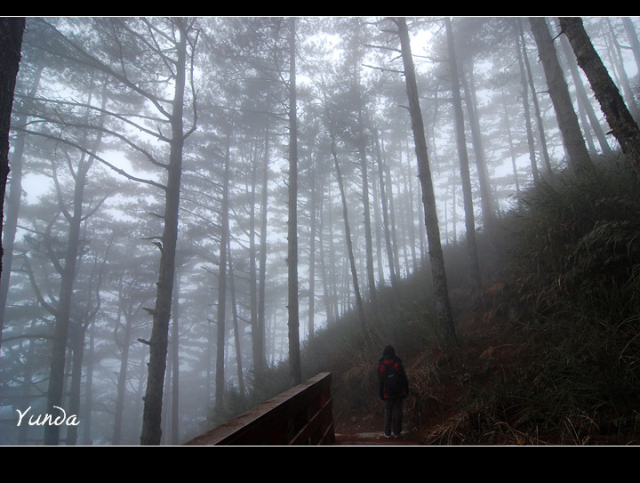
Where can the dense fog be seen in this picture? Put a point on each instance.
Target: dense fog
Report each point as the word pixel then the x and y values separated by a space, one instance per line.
pixel 162 167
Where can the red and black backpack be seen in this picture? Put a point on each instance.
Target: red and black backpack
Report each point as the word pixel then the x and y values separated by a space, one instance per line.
pixel 392 379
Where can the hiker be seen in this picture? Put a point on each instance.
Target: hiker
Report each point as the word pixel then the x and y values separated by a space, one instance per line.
pixel 393 388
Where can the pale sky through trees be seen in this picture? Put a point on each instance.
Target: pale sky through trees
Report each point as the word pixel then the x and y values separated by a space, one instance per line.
pixel 236 93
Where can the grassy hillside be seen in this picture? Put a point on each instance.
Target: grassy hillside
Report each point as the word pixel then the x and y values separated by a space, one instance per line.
pixel 548 353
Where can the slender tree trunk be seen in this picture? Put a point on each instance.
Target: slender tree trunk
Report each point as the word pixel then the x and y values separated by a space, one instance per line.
pixel 138 398
pixel 439 276
pixel 474 267
pixel 313 215
pixel 377 217
pixel 222 285
pixel 152 415
pixel 366 206
pixel 410 213
pixel 512 150
pixel 327 288
pixel 61 330
pixel 385 212
pixel 292 258
pixel 520 53
pixel 77 336
pixel 559 92
pixel 87 410
pixel 175 361
pixel 25 390
pixel 236 328
pixel 78 329
pixel 124 345
pixel 328 260
pixel 620 121
pixel 534 99
pixel 367 226
pixel 632 36
pixel 623 78
pixel 259 357
pixel 253 262
pixel 486 196
pixel 76 341
pixel 392 220
pixel 63 313
pixel 352 262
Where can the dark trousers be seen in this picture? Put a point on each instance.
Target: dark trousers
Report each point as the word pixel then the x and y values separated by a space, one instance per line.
pixel 393 416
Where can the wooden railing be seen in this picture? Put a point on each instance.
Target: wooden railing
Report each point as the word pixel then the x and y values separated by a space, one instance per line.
pixel 300 416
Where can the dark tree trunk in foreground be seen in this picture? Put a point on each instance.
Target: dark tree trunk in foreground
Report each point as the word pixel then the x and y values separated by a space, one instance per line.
pixel 620 121
pixel 11 31
pixel 10 226
pixel 558 90
pixel 428 198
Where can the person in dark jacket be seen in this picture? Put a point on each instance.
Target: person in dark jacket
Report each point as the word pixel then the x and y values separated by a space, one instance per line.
pixel 393 388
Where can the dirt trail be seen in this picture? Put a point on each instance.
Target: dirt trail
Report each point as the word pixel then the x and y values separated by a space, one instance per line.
pixel 489 346
pixel 371 439
pixel 364 429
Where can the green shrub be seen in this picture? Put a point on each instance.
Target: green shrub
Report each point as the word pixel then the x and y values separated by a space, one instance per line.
pixel 576 275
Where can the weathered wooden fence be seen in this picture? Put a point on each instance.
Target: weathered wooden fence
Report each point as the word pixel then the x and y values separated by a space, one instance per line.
pixel 302 415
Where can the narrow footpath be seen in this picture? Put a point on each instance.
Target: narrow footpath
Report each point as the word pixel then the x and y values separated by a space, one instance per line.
pixel 372 439
pixel 366 430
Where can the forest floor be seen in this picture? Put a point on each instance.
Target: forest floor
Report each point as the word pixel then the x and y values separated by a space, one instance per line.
pixel 489 346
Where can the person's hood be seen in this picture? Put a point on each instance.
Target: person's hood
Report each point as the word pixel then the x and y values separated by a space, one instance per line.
pixel 388 352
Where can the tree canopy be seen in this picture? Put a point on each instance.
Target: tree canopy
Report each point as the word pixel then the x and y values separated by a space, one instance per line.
pixel 192 200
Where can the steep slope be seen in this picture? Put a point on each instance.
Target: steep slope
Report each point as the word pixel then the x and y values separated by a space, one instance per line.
pixel 549 353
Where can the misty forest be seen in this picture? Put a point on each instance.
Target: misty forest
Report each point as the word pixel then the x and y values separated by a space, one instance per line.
pixel 201 213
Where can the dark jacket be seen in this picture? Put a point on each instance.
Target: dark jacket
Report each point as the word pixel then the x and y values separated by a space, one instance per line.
pixel 387 360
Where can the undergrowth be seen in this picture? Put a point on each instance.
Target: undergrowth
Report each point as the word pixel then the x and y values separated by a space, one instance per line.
pixel 561 308
pixel 574 247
